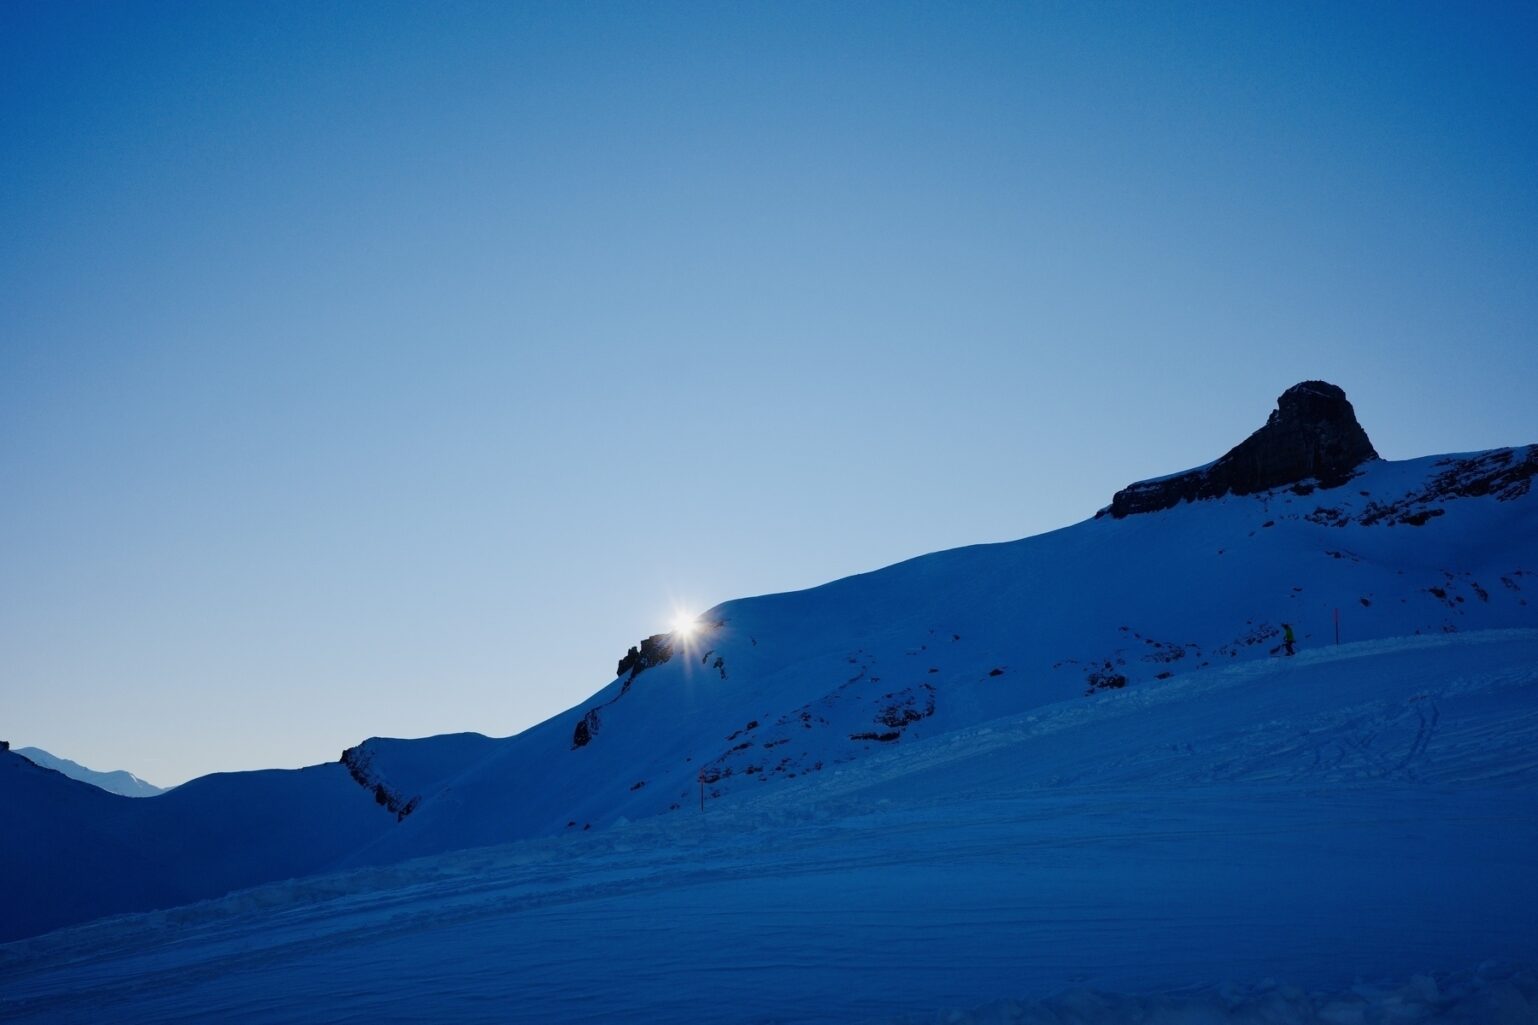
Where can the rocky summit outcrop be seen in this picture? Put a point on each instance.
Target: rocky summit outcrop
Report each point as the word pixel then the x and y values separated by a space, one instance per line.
pixel 1312 439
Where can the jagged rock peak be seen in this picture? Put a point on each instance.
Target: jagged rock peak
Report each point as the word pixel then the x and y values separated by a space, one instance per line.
pixel 1311 435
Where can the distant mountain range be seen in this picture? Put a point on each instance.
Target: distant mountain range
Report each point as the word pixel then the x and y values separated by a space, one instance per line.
pixel 1301 531
pixel 119 781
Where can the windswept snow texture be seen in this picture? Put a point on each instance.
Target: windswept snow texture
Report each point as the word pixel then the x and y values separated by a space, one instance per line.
pixel 1496 992
pixel 1356 823
pixel 119 781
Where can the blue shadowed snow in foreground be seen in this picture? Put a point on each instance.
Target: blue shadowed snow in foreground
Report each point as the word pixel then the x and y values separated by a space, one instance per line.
pixel 1360 813
pixel 1494 993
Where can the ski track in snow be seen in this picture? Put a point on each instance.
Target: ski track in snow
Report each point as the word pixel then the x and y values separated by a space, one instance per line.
pixel 1362 811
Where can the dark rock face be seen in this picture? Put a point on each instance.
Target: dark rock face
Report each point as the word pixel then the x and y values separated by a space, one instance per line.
pixel 588 725
pixel 654 651
pixel 1311 436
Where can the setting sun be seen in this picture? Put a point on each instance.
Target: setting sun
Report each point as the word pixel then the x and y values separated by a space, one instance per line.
pixel 684 625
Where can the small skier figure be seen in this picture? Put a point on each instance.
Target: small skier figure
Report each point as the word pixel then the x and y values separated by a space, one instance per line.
pixel 1287 637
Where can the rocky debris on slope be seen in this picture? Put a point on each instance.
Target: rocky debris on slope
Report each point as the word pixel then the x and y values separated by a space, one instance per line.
pixel 1105 676
pixel 903 709
pixel 853 707
pixel 1112 671
pixel 360 766
pixel 1505 474
pixel 1312 435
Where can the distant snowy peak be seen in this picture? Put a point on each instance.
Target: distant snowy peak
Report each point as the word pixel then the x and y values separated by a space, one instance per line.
pixel 1312 434
pixel 116 782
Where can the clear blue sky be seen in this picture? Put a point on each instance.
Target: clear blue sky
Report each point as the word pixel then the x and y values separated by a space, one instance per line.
pixel 374 369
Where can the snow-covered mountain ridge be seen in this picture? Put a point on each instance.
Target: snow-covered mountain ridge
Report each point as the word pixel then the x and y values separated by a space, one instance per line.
pixel 775 689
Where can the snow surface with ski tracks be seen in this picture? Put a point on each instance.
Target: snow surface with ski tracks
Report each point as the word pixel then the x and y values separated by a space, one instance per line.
pixel 1344 836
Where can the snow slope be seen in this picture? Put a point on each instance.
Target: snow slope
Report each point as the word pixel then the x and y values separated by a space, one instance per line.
pixel 74 852
pixel 780 688
pixel 118 781
pixel 1157 853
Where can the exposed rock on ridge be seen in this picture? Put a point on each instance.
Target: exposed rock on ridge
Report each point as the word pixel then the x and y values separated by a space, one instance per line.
pixel 360 766
pixel 654 651
pixel 1505 474
pixel 1312 434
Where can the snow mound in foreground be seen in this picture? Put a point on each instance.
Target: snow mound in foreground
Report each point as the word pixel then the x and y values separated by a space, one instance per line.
pixel 1495 993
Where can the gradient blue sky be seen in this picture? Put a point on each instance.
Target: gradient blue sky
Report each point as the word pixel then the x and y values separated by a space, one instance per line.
pixel 373 369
